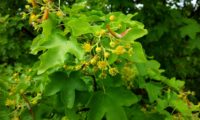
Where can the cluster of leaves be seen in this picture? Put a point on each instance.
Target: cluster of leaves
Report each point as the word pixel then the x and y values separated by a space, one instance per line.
pixel 90 67
pixel 12 35
pixel 174 28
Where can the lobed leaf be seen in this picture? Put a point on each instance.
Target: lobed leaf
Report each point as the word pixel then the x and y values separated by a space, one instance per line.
pixel 57 82
pixel 72 84
pixel 153 91
pixel 102 105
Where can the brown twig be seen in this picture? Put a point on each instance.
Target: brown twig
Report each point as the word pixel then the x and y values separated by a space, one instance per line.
pixel 29 106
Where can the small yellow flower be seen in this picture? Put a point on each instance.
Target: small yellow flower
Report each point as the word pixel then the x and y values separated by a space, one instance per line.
pixel 112 18
pixel 101 32
pixel 98 49
pixel 94 60
pixel 32 18
pixel 106 54
pixel 59 13
pixel 113 71
pixel 9 102
pixel 78 67
pixel 119 50
pixel 102 65
pixel 128 73
pixel 87 47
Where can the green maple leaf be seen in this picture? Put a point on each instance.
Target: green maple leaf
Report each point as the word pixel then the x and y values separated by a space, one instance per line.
pixel 181 106
pixel 191 29
pixel 153 91
pixel 72 84
pixel 66 85
pixel 56 84
pixel 55 49
pixel 111 104
pixel 176 84
pixel 138 55
pixel 79 26
pixel 57 46
pixel 54 46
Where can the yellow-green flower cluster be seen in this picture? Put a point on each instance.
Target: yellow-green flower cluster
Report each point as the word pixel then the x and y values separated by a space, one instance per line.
pixel 87 47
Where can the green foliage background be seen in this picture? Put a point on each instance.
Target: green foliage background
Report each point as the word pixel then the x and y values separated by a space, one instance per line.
pixel 33 59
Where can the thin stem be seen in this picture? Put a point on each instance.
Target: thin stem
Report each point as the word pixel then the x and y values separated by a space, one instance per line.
pixel 59 4
pixel 29 106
